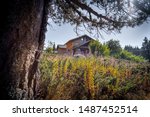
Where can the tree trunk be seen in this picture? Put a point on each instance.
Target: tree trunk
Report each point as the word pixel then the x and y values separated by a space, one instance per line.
pixel 22 33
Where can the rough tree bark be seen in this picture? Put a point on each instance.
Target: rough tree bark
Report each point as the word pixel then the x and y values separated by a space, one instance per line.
pixel 22 33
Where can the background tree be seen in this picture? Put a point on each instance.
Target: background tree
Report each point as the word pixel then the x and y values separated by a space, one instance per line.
pixel 98 15
pixel 146 48
pixel 104 50
pixel 94 47
pixel 114 46
pixel 23 27
pixel 50 48
pixel 99 49
pixel 134 50
pixel 130 56
pixel 144 6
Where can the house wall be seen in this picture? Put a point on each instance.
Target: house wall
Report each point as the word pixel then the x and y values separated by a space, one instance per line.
pixel 69 45
pixel 85 50
pixel 81 41
pixel 61 50
pixel 77 42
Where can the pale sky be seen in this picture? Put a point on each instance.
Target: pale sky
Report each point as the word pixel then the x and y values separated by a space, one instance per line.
pixel 128 36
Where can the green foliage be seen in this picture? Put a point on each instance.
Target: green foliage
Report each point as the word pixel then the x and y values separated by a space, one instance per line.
pixel 50 48
pixel 104 50
pixel 99 49
pixel 94 46
pixel 94 78
pixel 129 56
pixel 114 46
pixel 134 50
pixel 86 13
pixel 146 48
pixel 144 51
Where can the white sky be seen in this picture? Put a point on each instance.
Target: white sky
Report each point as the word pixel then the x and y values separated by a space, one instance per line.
pixel 128 36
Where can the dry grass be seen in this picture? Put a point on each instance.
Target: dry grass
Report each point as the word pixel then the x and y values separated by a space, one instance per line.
pixel 94 78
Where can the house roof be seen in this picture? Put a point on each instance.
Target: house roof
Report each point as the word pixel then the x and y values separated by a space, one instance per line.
pixel 78 38
pixel 82 44
pixel 61 46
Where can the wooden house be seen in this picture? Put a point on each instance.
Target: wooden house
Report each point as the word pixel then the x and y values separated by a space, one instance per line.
pixel 79 45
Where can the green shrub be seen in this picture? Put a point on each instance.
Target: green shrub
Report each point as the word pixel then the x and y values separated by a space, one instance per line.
pixel 129 56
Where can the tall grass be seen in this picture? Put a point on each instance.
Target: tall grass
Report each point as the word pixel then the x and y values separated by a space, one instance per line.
pixel 94 78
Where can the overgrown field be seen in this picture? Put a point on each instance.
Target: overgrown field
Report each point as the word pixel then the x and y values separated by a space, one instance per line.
pixel 65 77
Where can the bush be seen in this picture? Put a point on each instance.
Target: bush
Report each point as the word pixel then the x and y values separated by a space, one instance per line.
pixel 129 56
pixel 99 49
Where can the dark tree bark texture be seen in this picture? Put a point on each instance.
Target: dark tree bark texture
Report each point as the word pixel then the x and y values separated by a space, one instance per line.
pixel 22 33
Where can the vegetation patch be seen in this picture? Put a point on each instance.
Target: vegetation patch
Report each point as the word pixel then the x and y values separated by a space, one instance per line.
pixel 94 78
